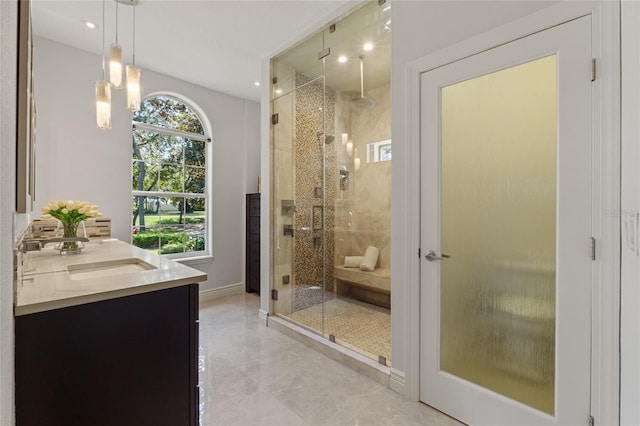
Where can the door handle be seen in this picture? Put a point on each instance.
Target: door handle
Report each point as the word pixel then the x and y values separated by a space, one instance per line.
pixel 431 256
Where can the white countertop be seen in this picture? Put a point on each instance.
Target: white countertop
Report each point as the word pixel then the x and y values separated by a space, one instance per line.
pixel 46 283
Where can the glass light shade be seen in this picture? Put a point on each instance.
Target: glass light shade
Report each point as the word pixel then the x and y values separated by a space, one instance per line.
pixel 350 149
pixel 356 163
pixel 103 105
pixel 115 66
pixel 133 87
pixel 345 137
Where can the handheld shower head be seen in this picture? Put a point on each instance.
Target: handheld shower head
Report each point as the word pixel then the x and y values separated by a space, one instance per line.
pixel 327 139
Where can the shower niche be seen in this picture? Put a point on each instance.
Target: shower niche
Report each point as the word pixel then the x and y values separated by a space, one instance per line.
pixel 331 94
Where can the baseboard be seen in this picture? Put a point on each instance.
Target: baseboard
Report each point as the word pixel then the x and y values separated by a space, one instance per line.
pixel 396 381
pixel 263 317
pixel 218 292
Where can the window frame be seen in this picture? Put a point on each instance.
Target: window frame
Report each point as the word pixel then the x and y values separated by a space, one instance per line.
pixel 207 253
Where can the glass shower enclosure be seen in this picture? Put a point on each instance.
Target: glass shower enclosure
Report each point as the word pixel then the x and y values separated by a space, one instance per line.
pixel 323 122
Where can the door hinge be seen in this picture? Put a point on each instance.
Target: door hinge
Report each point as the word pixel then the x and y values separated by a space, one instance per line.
pixel 324 53
pixel 274 119
pixel 274 294
pixel 592 422
pixel 593 248
pixel 593 69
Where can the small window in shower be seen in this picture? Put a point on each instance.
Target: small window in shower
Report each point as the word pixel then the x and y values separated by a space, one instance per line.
pixel 379 151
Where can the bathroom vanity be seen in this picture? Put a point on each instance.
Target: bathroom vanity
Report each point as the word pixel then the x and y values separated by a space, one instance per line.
pixel 107 337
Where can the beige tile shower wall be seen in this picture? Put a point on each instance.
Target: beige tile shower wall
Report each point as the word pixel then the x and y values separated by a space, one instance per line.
pixel 363 209
pixel 314 113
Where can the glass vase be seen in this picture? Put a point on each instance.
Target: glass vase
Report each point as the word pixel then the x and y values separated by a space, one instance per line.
pixel 70 230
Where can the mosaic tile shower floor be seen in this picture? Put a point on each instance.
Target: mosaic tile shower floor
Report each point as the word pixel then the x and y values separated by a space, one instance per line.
pixel 360 326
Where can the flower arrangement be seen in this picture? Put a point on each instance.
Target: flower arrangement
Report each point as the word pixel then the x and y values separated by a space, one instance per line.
pixel 70 211
pixel 70 214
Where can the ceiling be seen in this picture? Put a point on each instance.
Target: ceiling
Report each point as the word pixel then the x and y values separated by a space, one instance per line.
pixel 215 44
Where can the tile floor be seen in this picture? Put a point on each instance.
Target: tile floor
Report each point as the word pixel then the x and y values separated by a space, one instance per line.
pixel 254 375
pixel 358 325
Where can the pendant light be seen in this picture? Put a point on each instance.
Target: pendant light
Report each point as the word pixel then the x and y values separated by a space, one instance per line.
pixel 115 60
pixel 133 74
pixel 103 91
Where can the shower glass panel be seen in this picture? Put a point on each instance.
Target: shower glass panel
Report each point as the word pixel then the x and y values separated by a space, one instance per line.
pixel 498 224
pixel 358 82
pixel 328 203
pixel 283 205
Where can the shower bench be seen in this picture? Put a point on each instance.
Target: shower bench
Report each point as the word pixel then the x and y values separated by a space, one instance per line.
pixel 373 287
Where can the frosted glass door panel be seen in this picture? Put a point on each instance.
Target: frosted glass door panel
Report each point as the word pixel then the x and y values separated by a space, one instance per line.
pixel 498 224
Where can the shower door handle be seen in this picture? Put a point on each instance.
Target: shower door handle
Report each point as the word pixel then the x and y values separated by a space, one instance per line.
pixel 317 218
pixel 431 256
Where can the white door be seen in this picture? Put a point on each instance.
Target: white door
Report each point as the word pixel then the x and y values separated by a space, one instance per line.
pixel 506 203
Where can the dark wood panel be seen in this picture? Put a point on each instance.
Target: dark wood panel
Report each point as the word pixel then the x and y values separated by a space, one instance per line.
pixel 126 361
pixel 252 271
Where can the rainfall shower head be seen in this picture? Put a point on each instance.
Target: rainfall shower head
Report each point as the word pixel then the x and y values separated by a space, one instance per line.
pixel 327 139
pixel 363 101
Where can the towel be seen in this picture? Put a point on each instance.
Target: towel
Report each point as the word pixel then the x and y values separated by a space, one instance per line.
pixel 353 261
pixel 370 259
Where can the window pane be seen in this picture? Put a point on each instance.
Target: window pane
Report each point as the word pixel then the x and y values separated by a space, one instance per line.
pixel 144 176
pixel 171 178
pixel 174 114
pixel 146 237
pixel 195 224
pixel 194 180
pixel 145 146
pixel 194 153
pixel 172 239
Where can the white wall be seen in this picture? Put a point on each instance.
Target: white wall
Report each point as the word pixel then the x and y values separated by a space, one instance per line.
pixel 8 40
pixel 76 160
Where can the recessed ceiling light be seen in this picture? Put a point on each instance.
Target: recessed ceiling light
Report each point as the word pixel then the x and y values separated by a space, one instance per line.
pixel 89 24
pixel 278 91
pixel 342 59
pixel 256 83
pixel 368 46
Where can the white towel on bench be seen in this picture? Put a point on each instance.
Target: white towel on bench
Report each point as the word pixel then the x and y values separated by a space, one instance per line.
pixel 370 259
pixel 353 261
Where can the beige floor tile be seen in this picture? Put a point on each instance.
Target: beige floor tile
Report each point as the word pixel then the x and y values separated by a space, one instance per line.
pixel 360 326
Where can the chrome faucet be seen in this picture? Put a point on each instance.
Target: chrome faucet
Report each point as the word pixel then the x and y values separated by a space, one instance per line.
pixel 36 244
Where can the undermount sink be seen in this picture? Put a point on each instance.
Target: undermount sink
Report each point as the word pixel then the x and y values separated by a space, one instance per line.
pixel 83 271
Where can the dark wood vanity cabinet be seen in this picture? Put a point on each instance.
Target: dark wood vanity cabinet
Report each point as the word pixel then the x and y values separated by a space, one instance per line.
pixel 132 361
pixel 252 272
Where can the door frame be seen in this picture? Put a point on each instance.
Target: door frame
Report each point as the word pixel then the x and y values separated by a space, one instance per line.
pixel 605 325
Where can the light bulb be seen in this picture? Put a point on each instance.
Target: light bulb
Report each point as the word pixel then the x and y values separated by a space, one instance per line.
pixel 350 149
pixel 115 66
pixel 133 87
pixel 103 105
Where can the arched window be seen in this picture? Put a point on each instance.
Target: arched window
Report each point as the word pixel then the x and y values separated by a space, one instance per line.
pixel 169 178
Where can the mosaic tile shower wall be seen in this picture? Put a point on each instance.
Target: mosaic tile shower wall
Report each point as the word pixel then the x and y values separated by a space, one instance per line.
pixel 314 217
